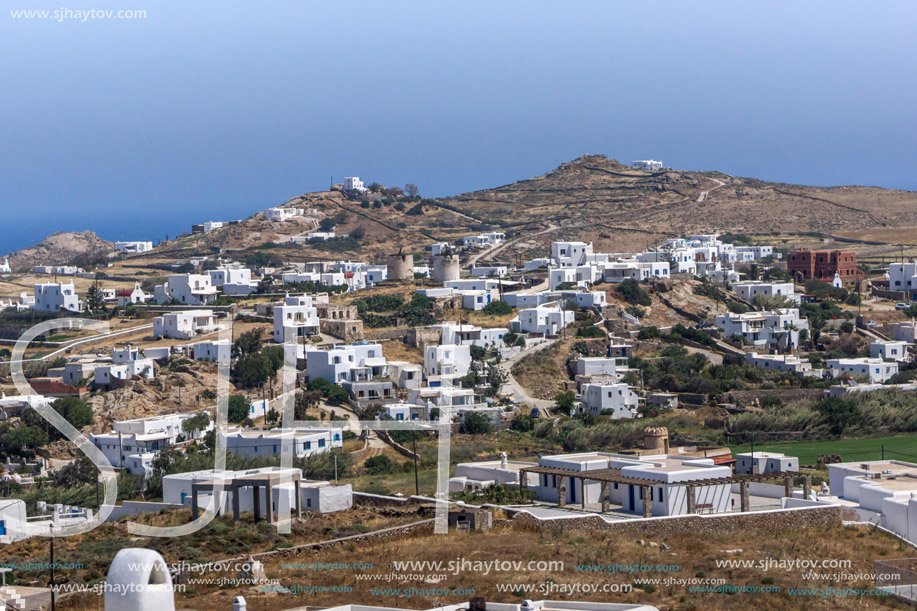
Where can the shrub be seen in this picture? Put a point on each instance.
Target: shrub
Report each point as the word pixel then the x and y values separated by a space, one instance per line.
pixel 476 424
pixel 377 465
pixel 497 308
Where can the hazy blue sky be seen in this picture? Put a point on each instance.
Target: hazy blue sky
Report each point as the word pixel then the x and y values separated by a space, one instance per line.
pixel 213 110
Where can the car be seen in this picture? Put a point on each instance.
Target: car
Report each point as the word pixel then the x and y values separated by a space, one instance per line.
pixel 902 306
pixel 871 323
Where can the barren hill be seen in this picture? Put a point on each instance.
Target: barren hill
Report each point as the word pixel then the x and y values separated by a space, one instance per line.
pixel 592 198
pixel 60 248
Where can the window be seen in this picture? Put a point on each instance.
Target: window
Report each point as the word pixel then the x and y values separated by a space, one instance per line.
pixel 321 443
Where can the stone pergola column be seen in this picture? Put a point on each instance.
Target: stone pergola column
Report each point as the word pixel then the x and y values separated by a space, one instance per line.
pixel 562 491
pixel 743 496
pixel 806 486
pixel 194 508
pixel 583 486
pixel 647 503
pixel 523 484
pixel 604 497
pixel 788 486
pixel 298 500
pixel 267 502
pixel 692 500
pixel 256 499
pixel 235 503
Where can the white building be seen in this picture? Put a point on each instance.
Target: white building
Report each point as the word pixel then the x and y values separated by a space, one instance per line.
pixel 666 477
pixel 131 441
pixel 616 272
pixel 316 496
pixel 749 289
pixel 903 277
pixel 233 280
pixel 784 363
pixel 470 335
pixel 297 317
pixel 884 490
pixel 280 214
pixel 185 325
pixel 779 327
pixel 489 271
pixel 133 248
pixel 753 253
pixel 598 366
pixel 765 462
pixel 905 331
pixel 212 351
pixel 446 361
pixel 354 363
pixel 876 370
pixel 132 296
pixel 186 289
pixel 570 254
pixel 484 240
pixel 547 319
pixel 614 400
pixel 889 351
pixel 57 297
pixel 405 375
pixel 5 267
pixel 353 183
pixel 651 165
pixel 305 442
pixel 106 375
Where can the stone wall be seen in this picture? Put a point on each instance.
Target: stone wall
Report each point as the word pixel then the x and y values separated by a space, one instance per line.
pixel 762 521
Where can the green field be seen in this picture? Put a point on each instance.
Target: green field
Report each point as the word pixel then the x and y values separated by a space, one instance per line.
pixel 899 447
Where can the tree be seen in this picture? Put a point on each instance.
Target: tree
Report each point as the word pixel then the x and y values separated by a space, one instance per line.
pixel 839 414
pixel 411 190
pixel 195 423
pixel 306 400
pixel 358 232
pixel 265 285
pixel 75 411
pixel 239 407
pixel 247 343
pixel 523 423
pixel 497 308
pixel 78 473
pixel 95 298
pixel 476 424
pixel 565 402
pixel 21 441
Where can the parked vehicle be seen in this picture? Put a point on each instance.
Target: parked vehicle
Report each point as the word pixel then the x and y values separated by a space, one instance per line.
pixel 902 306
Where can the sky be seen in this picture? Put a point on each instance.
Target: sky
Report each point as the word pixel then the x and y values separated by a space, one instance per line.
pixel 137 128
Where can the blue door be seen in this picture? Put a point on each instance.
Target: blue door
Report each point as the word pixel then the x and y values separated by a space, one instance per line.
pixel 630 490
pixel 183 496
pixel 2 527
pixel 572 490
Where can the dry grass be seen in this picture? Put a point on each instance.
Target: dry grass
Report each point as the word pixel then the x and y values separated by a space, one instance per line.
pixel 692 555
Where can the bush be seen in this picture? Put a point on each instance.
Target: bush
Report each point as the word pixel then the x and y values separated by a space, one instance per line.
pixel 590 331
pixel 633 293
pixel 497 308
pixel 648 333
pixel 377 465
pixel 523 423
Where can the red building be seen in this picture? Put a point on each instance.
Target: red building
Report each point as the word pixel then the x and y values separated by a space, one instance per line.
pixel 822 264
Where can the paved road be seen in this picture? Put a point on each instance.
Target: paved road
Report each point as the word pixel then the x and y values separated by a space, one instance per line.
pixel 372 438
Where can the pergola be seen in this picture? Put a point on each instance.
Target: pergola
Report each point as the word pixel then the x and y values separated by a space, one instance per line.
pixel 256 481
pixel 613 476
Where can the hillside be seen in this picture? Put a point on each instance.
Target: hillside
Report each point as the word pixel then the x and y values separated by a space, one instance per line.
pixel 591 198
pixel 60 248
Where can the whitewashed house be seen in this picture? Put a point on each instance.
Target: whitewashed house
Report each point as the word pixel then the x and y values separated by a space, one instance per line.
pixel 905 331
pixel 185 324
pixel 614 400
pixel 877 370
pixel 784 363
pixel 889 351
pixel 297 317
pixel 212 351
pixel 547 319
pixel 779 327
pixel 233 280
pixel 446 361
pixel 186 289
pixel 57 297
pixel 132 296
pixel 353 183
pixel 903 277
pixel 650 165
pixel 749 289
pixel 133 248
pixel 570 254
pixel 765 462
pixel 280 214
pixel 305 442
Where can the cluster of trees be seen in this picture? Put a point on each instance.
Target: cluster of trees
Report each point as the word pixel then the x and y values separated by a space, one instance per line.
pixel 633 293
pixel 255 364
pixel 417 312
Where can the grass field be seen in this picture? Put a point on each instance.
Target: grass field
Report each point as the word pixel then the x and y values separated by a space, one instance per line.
pixel 900 447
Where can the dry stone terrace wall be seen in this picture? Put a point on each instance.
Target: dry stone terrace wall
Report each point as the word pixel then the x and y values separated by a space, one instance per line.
pixel 763 521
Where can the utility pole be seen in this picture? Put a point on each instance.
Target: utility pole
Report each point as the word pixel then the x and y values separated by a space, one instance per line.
pixel 414 448
pixel 883 451
pixel 51 527
pixel 121 445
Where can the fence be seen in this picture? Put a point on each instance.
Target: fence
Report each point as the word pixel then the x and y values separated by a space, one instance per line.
pixel 898 578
